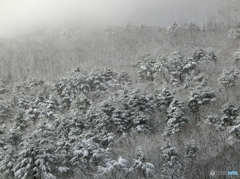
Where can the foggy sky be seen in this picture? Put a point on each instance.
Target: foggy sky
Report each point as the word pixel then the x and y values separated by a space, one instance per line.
pixel 23 16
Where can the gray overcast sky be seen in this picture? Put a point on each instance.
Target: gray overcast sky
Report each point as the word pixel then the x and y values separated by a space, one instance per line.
pixel 19 16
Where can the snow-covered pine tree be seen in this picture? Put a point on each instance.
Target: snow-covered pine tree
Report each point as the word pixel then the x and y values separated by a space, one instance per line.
pixel 173 27
pixel 20 120
pixel 163 98
pixel 3 88
pixel 212 119
pixel 179 67
pixel 172 167
pixel 148 67
pixel 6 111
pixel 191 149
pixel 80 103
pixel 141 167
pixel 199 96
pixel 176 118
pixel 69 129
pixel 87 154
pixel 235 130
pixel 234 33
pixel 237 56
pixel 211 54
pixel 228 79
pixel 193 27
pixel 199 55
pixel 7 160
pixel 113 168
pixel 124 111
pixel 229 115
pixel 36 157
pixel 48 107
pixel 8 146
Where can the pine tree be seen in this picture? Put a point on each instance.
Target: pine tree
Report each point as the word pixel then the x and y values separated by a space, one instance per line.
pixel 163 98
pixel 235 130
pixel 173 65
pixel 176 118
pixel 148 67
pixel 237 56
pixel 141 166
pixel 229 115
pixel 20 120
pixel 199 55
pixel 6 111
pixel 8 145
pixel 124 111
pixel 87 154
pixel 113 168
pixel 172 168
pixel 3 88
pixel 36 155
pixel 199 96
pixel 211 54
pixel 193 27
pixel 234 33
pixel 191 149
pixel 80 103
pixel 228 79
pixel 173 27
pixel 212 119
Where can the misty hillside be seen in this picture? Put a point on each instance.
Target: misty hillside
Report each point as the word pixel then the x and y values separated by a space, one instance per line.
pixel 50 54
pixel 121 101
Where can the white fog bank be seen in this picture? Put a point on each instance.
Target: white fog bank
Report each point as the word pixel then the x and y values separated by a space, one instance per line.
pixel 20 17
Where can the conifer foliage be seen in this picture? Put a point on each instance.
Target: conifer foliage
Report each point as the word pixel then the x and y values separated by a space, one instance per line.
pixel 69 132
pixel 229 115
pixel 176 118
pixel 173 27
pixel 199 96
pixel 71 127
pixel 163 98
pixel 234 32
pixel 143 168
pixel 237 56
pixel 148 67
pixel 229 77
pixel 172 167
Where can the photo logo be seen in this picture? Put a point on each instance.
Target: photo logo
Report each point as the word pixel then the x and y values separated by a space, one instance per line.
pixel 232 173
pixel 229 173
pixel 212 172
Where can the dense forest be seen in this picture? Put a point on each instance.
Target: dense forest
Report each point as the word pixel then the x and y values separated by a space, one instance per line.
pixel 119 102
